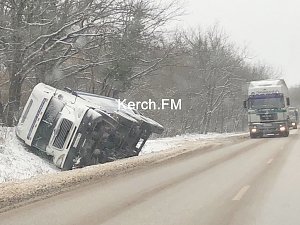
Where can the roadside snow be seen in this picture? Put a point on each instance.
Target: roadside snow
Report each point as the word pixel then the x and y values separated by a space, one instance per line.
pixel 16 163
pixel 161 144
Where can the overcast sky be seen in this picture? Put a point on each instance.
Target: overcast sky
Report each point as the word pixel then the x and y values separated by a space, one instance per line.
pixel 270 29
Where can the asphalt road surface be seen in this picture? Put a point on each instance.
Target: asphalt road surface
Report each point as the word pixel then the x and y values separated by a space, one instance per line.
pixel 254 182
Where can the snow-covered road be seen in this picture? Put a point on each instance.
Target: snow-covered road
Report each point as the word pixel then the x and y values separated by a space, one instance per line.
pixel 243 181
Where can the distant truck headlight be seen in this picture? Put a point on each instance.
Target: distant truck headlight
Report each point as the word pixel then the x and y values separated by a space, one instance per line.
pixel 253 130
pixel 282 128
pixel 293 124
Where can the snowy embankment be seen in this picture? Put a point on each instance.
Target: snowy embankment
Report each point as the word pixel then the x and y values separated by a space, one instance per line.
pixel 161 144
pixel 17 163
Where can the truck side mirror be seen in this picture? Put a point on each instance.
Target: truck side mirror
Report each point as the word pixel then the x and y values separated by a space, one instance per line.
pixel 245 104
pixel 288 101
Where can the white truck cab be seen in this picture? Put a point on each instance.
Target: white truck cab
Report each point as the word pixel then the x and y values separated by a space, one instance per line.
pixel 50 121
pixel 267 105
pixel 82 128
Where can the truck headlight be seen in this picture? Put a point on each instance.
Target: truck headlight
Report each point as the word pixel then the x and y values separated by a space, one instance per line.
pixel 59 161
pixel 282 128
pixel 293 124
pixel 253 130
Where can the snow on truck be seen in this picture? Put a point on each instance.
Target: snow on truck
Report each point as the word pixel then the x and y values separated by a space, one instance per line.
pixel 267 104
pixel 79 129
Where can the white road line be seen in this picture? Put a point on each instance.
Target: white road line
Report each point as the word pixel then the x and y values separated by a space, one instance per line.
pixel 270 161
pixel 241 193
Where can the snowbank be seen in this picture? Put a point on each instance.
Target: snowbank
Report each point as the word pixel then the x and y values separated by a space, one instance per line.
pixel 16 163
pixel 161 144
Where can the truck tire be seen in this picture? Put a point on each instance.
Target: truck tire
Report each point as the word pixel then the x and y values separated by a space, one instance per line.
pixel 253 136
pixel 285 134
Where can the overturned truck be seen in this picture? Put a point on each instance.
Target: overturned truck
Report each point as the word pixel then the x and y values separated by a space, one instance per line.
pixel 79 129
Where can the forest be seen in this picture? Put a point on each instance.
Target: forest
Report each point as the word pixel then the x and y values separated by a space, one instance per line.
pixel 126 49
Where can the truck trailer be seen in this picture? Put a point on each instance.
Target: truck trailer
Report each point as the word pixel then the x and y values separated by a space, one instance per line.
pixel 293 117
pixel 80 129
pixel 267 105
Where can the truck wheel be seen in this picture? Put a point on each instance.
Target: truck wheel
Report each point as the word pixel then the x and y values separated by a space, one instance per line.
pixel 285 134
pixel 253 136
pixel 295 127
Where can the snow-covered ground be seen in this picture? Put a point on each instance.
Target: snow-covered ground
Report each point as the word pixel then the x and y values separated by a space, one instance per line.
pixel 161 144
pixel 16 163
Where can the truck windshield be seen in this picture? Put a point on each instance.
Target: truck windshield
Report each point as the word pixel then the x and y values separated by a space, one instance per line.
pixel 47 124
pixel 266 102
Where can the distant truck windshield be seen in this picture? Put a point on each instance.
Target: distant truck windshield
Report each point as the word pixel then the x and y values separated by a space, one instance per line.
pixel 266 101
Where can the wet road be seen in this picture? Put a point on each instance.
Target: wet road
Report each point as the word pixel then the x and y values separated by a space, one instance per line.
pixel 256 181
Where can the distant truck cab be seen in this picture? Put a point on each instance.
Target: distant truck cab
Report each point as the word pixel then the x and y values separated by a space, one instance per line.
pixel 80 129
pixel 267 106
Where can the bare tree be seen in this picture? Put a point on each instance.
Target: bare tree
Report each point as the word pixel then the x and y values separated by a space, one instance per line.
pixel 208 73
pixel 53 41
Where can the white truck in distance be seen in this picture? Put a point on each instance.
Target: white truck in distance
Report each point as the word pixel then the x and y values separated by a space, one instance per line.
pixel 267 105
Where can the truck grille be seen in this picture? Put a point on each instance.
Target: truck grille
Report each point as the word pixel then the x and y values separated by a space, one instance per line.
pixel 62 135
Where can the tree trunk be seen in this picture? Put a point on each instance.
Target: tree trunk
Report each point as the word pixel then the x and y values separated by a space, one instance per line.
pixel 15 66
pixel 13 101
pixel 207 124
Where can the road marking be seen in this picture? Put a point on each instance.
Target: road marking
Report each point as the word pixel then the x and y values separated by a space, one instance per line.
pixel 270 161
pixel 241 193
